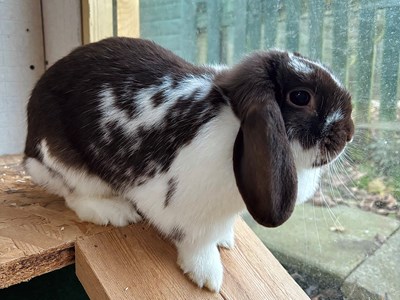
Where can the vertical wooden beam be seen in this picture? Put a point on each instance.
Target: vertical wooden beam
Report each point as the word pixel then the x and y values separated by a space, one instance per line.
pixel 214 12
pixel 97 20
pixel 61 28
pixel 271 23
pixel 21 65
pixel 188 30
pixel 293 12
pixel 128 18
pixel 316 23
pixel 390 65
pixel 240 29
pixel 254 24
pixel 365 57
pixel 340 29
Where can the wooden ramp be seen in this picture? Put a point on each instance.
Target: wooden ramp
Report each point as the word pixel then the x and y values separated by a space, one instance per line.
pixel 38 234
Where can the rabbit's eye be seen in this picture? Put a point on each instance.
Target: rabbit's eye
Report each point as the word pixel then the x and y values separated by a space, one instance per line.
pixel 300 98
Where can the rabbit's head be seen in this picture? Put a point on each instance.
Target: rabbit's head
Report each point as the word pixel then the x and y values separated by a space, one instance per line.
pixel 295 114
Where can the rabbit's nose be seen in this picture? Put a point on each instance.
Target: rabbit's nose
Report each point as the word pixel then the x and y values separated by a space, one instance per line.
pixel 349 138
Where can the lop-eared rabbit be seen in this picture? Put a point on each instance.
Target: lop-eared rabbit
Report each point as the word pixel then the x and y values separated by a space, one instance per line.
pixel 123 129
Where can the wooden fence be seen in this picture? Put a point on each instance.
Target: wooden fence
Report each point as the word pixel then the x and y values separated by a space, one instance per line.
pixel 359 39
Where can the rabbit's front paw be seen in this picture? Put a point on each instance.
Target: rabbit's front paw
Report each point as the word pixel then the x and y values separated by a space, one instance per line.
pixel 102 211
pixel 203 267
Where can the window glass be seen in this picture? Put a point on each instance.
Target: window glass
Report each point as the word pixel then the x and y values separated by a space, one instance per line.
pixel 344 242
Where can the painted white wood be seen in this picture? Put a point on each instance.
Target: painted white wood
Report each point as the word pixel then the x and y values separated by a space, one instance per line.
pixel 21 64
pixel 62 28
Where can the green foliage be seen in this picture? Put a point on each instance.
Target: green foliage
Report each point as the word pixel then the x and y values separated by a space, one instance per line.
pixel 378 156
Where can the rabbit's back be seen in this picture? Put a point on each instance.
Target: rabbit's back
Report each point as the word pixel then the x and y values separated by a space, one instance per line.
pixel 121 108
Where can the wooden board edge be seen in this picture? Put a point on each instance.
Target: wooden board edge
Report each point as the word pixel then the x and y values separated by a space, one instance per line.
pixel 88 279
pixel 85 17
pixel 24 269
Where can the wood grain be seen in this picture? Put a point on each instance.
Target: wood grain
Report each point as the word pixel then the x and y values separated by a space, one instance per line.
pixel 135 263
pixel 37 230
pixel 128 18
pixel 132 263
pixel 38 234
pixel 97 20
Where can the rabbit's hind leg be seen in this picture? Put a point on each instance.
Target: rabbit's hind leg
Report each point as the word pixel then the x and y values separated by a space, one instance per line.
pixel 88 196
pixel 46 177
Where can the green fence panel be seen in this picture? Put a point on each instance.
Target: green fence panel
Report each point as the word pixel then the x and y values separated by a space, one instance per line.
pixel 214 13
pixel 225 30
pixel 316 22
pixel 254 11
pixel 239 24
pixel 188 29
pixel 293 12
pixel 340 45
pixel 365 47
pixel 270 10
pixel 390 65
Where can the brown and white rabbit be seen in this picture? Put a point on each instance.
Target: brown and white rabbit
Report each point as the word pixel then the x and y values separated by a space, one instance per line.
pixel 124 129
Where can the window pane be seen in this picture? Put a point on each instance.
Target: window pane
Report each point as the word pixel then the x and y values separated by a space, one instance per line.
pixel 345 241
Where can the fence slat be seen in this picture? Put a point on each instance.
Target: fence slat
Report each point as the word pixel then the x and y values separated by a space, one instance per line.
pixel 253 24
pixel 364 61
pixel 340 27
pixel 270 23
pixel 316 23
pixel 239 29
pixel 213 31
pixel 390 65
pixel 188 30
pixel 293 11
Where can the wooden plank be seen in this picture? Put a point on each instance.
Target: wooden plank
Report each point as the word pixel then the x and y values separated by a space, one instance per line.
pixel 379 4
pixel 135 263
pixel 97 20
pixel 37 230
pixel 254 10
pixel 293 11
pixel 390 92
pixel 61 27
pixel 239 25
pixel 365 51
pixel 187 28
pixel 128 18
pixel 316 23
pixel 21 65
pixel 271 23
pixel 214 12
pixel 340 38
pixel 38 233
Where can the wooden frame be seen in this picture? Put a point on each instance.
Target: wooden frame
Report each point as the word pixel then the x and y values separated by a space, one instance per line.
pixel 105 18
pixel 62 29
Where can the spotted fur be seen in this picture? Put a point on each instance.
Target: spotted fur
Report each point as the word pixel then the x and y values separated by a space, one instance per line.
pixel 123 129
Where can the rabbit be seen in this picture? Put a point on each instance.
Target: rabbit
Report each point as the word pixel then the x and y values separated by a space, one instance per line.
pixel 125 130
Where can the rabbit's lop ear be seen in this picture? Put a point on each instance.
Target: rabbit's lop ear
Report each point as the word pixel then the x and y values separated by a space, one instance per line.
pixel 263 163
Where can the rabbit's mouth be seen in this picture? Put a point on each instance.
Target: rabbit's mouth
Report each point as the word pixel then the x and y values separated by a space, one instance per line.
pixel 320 163
pixel 327 157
